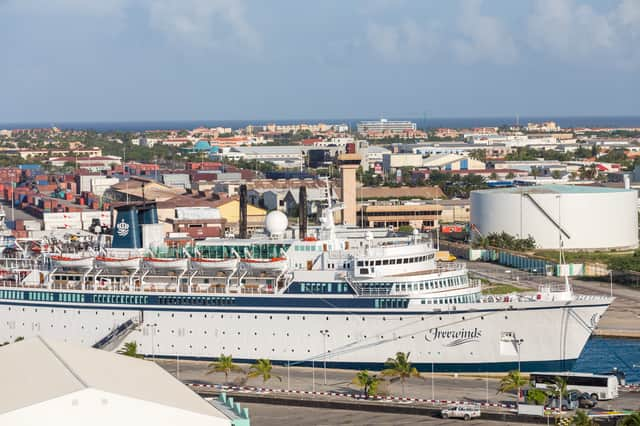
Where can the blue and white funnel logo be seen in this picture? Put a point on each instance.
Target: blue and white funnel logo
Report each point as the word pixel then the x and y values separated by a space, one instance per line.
pixel 122 229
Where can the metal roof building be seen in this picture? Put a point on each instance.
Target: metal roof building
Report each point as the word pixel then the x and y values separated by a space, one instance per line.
pixel 55 383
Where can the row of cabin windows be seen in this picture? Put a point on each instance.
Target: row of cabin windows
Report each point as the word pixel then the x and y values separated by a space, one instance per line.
pixel 433 284
pixel 467 298
pixel 391 303
pixel 324 288
pixel 380 262
pixel 307 248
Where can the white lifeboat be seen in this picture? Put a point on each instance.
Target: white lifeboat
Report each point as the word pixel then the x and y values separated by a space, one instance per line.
pixel 118 262
pixel 275 264
pixel 214 264
pixel 73 260
pixel 167 263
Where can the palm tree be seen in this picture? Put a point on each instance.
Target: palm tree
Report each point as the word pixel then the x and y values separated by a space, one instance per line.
pixel 369 383
pixel 512 381
pixel 263 368
pixel 400 368
pixel 560 389
pixel 225 365
pixel 581 418
pixel 632 419
pixel 130 349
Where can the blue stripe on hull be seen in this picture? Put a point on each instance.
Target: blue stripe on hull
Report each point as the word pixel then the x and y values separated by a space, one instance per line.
pixel 493 367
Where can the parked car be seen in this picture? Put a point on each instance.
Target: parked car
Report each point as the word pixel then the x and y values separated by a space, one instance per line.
pixel 585 401
pixel 466 412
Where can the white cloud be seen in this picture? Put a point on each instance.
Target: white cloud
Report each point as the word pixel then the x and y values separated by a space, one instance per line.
pixel 566 28
pixel 576 31
pixel 482 38
pixel 204 23
pixel 406 42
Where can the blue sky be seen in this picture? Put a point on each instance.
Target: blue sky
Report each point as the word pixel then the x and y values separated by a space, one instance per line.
pixel 129 60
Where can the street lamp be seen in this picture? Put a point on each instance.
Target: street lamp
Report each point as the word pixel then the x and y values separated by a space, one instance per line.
pixel 518 343
pixel 153 346
pixel 325 334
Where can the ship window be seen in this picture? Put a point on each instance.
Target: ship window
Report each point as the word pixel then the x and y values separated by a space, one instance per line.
pixel 392 261
pixel 378 262
pixel 360 263
pixel 385 261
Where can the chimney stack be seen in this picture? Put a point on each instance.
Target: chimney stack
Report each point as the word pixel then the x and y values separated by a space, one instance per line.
pixel 302 212
pixel 243 211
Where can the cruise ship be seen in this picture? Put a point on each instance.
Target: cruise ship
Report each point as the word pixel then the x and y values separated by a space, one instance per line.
pixel 350 299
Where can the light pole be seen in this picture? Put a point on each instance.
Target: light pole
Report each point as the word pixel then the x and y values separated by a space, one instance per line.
pixel 153 346
pixel 518 343
pixel 325 334
pixel 313 375
pixel 288 374
pixel 611 282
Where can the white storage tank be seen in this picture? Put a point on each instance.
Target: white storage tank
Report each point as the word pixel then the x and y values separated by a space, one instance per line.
pixel 591 217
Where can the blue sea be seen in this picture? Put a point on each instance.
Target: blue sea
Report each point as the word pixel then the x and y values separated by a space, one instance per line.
pixel 602 354
pixel 428 122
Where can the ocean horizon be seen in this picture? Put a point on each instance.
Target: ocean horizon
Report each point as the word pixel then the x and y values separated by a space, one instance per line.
pixel 429 123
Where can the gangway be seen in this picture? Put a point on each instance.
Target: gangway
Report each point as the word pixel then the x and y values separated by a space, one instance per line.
pixel 113 340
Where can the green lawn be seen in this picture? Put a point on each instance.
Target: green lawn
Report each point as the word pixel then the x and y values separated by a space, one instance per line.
pixel 492 288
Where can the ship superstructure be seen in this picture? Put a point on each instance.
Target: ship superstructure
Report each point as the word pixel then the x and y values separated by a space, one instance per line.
pixel 348 301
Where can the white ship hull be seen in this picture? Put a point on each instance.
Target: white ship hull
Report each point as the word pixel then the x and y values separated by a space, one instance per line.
pixel 474 337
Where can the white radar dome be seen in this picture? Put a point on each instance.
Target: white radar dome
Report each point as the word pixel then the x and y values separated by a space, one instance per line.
pixel 276 222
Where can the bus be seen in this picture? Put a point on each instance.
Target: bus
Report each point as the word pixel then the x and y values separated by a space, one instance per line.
pixel 599 387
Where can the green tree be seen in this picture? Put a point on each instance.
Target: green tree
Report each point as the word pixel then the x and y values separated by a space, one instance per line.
pixel 556 174
pixel 512 381
pixel 537 397
pixel 263 368
pixel 559 390
pixel 225 365
pixel 478 154
pixel 510 175
pixel 632 419
pixel 130 349
pixel 581 418
pixel 367 382
pixel 400 368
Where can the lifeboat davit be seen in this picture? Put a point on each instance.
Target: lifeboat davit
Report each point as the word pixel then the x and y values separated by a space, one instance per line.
pixel 118 262
pixel 167 263
pixel 275 264
pixel 214 264
pixel 73 261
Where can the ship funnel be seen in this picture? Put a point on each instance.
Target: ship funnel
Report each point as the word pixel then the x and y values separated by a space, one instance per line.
pixel 243 211
pixel 302 212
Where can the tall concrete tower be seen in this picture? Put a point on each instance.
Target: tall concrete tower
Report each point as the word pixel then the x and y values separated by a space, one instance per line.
pixel 348 164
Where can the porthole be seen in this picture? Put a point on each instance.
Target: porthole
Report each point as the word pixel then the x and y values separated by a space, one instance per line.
pixel 255 333
pixel 506 317
pixel 462 318
pixel 288 318
pixel 304 318
pixel 205 315
pixel 422 318
pixel 173 315
pixel 327 318
pixel 224 332
pixel 362 318
pixel 238 316
pixel 190 315
pixel 347 318
pixel 384 318
pixel 270 317
pixel 482 317
pixel 440 318
pixel 221 316
pixel 255 317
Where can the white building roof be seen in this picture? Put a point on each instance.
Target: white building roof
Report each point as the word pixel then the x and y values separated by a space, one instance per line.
pixel 38 370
